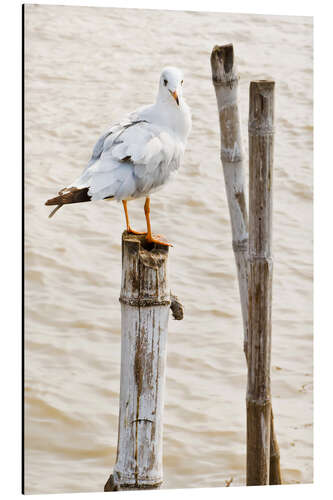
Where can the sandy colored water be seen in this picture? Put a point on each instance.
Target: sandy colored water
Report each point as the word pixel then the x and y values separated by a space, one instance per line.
pixel 85 69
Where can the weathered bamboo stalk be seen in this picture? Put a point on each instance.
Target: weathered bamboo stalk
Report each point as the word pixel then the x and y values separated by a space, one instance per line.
pixel 225 79
pixel 261 137
pixel 145 304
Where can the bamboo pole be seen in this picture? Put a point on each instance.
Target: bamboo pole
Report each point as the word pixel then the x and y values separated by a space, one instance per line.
pixel 261 137
pixel 145 304
pixel 225 79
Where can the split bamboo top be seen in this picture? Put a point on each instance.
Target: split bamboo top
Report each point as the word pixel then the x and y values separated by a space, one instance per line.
pixel 261 112
pixel 144 278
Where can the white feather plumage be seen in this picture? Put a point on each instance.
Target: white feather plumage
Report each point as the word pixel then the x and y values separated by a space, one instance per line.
pixel 137 157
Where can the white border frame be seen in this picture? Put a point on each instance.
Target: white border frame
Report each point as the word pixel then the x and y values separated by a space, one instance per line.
pixel 10 363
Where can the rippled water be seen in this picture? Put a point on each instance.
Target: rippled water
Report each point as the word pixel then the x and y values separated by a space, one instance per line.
pixel 85 68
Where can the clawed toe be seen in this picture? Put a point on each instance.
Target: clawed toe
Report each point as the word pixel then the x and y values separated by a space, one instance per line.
pixel 159 239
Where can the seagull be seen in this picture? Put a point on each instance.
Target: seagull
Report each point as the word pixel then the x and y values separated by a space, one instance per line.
pixel 138 156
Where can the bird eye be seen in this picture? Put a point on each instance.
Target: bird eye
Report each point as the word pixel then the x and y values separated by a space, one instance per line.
pixel 165 82
pixel 182 82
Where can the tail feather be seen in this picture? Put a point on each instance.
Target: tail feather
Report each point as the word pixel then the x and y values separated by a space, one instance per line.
pixel 72 195
pixel 68 195
pixel 55 210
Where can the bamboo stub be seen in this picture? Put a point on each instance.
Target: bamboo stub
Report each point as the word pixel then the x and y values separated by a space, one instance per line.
pixel 145 304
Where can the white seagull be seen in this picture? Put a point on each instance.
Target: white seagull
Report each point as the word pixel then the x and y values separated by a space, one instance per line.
pixel 138 156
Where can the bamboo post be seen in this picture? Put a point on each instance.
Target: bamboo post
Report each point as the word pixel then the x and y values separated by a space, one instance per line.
pixel 261 136
pixel 225 80
pixel 145 304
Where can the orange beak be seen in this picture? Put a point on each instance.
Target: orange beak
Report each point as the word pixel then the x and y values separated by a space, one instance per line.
pixel 175 96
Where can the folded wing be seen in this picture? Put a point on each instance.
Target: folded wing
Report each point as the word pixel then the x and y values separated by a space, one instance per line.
pixel 130 160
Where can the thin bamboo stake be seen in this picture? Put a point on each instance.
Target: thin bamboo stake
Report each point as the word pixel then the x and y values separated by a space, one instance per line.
pixel 261 137
pixel 225 79
pixel 145 304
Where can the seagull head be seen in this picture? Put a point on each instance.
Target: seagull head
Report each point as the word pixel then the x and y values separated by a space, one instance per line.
pixel 171 82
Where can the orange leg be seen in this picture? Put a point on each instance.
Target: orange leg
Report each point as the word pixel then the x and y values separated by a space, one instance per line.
pixel 158 238
pixel 129 229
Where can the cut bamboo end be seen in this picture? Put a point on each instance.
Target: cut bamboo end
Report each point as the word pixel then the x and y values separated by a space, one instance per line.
pixel 144 278
pixel 261 110
pixel 224 71
pixel 225 79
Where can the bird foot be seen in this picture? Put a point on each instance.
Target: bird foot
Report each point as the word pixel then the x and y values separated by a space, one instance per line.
pixel 131 231
pixel 159 239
